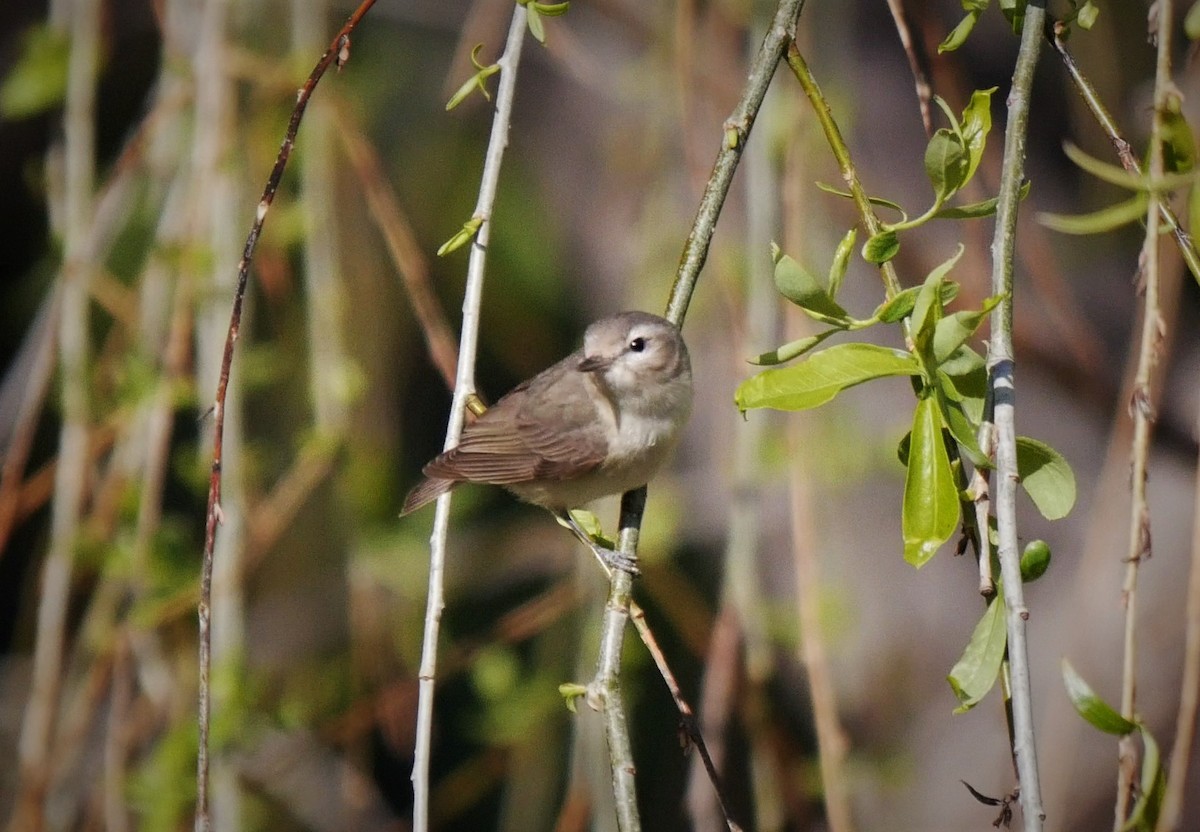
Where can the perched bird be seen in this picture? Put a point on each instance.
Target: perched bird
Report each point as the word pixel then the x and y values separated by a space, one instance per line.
pixel 599 422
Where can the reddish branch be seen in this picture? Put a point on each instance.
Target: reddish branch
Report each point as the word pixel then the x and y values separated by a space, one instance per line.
pixel 339 51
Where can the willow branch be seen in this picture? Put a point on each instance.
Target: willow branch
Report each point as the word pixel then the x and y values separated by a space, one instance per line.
pixel 338 50
pixel 464 389
pixel 79 140
pixel 1091 98
pixel 1149 350
pixel 1001 372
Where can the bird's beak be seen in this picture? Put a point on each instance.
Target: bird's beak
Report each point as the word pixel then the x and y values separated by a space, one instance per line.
pixel 594 363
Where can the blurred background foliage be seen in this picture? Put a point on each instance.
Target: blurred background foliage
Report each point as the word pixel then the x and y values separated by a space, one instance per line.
pixel 337 404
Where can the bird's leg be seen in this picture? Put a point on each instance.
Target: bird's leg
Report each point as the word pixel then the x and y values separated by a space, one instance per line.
pixel 610 559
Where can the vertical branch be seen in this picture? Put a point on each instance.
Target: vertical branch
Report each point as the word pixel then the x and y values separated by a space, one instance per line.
pixel 1189 694
pixel 464 388
pixel 1001 366
pixel 1142 410
pixel 79 149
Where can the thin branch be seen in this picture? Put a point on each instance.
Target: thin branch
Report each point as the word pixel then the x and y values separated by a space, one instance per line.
pixel 1171 816
pixel 915 64
pixel 464 389
pixel 1001 371
pixel 338 50
pixel 79 148
pixel 1149 351
pixel 1187 246
pixel 841 152
pixel 402 245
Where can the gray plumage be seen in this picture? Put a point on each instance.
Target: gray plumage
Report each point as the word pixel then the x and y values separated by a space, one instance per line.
pixel 599 422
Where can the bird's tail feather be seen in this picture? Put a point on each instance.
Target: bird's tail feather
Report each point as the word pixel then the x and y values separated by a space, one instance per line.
pixel 426 491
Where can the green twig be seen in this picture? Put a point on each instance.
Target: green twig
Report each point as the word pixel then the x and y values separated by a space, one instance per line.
pixel 841 152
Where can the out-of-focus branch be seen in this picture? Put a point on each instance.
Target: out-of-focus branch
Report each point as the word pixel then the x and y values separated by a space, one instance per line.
pixel 79 150
pixel 1003 394
pixel 464 388
pixel 915 64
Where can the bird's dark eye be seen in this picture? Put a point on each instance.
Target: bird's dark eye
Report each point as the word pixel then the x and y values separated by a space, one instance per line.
pixel 637 344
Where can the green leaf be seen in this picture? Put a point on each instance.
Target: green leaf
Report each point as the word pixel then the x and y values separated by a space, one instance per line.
pixel 822 376
pixel 1116 175
pixel 551 9
pixel 793 349
pixel 928 308
pixel 591 524
pixel 1046 478
pixel 462 237
pixel 1035 560
pixel 841 260
pixel 881 248
pixel 975 672
pixel 952 331
pixel 536 27
pixel 1097 712
pixel 1179 146
pixel 946 163
pixel 976 124
pixel 38 80
pixel 1098 222
pixel 572 692
pixel 1087 14
pixel 958 36
pixel 799 286
pixel 877 201
pixel 1191 23
pixel 931 508
pixel 900 305
pixel 959 418
pixel 975 210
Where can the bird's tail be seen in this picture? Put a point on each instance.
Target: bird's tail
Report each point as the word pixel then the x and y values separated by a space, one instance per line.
pixel 426 491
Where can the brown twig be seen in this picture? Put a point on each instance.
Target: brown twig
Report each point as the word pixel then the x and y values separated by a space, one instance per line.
pixel 402 245
pixel 339 51
pixel 915 63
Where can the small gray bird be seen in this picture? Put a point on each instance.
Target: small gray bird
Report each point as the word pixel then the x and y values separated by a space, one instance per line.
pixel 599 422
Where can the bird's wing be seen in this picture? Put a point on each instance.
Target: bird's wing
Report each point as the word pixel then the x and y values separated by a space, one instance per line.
pixel 544 429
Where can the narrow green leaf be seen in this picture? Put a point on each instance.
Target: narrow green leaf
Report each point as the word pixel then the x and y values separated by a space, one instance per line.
pixel 822 376
pixel 928 309
pixel 975 210
pixel 952 331
pixel 931 509
pixel 1098 222
pixel 793 349
pixel 958 36
pixel 975 672
pixel 976 124
pixel 802 288
pixel 877 201
pixel 946 163
pixel 591 524
pixel 1046 477
pixel 959 421
pixel 881 248
pixel 841 260
pixel 551 9
pixel 1097 712
pixel 572 692
pixel 1035 560
pixel 536 27
pixel 460 239
pixel 1116 175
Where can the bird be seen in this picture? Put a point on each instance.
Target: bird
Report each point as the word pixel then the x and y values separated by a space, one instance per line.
pixel 601 421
